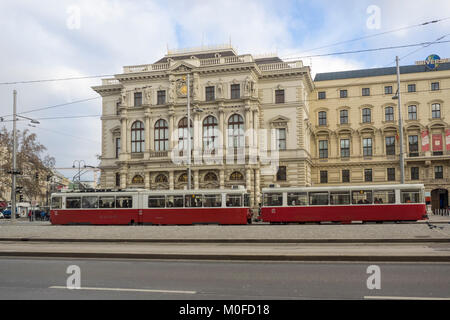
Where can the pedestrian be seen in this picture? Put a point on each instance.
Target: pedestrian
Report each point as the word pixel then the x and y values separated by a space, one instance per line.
pixel 30 216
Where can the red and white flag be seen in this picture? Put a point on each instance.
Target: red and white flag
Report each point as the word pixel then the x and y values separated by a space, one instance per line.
pixel 425 141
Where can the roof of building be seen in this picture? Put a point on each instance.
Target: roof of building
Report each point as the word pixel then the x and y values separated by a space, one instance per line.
pixel 208 55
pixel 268 60
pixel 375 72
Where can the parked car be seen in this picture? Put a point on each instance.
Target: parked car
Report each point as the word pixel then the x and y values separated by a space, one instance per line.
pixel 7 213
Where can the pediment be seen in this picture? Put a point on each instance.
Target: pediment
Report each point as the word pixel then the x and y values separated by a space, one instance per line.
pixel 279 120
pixel 181 67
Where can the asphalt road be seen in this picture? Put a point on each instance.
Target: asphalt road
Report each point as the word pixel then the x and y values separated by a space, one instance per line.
pixel 37 278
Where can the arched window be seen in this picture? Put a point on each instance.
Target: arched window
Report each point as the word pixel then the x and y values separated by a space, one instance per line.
pixel 183 134
pixel 210 176
pixel 210 133
pixel 161 178
pixel 137 137
pixel 137 179
pixel 161 135
pixel 184 178
pixel 236 131
pixel 236 176
pixel 366 115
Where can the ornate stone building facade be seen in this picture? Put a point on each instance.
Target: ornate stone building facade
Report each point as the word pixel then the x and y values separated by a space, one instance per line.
pixel 241 106
pixel 258 121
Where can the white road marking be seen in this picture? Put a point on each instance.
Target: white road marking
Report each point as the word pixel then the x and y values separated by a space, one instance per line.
pixel 126 289
pixel 403 298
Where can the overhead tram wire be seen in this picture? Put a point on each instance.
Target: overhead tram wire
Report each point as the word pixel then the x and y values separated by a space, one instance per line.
pixel 371 36
pixel 56 79
pixel 54 106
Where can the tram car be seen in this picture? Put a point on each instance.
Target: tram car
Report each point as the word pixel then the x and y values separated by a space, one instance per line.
pixel 164 207
pixel 368 203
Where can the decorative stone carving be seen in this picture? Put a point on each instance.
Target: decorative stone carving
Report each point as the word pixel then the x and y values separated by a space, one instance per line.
pixel 172 91
pixel 148 95
pixel 124 98
pixel 220 89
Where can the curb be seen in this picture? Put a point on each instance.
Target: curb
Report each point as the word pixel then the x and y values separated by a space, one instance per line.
pixel 412 240
pixel 238 257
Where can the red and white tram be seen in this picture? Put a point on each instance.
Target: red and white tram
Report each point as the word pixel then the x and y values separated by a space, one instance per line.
pixel 344 204
pixel 175 207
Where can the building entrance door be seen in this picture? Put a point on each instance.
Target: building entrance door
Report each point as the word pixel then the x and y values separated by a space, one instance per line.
pixel 439 199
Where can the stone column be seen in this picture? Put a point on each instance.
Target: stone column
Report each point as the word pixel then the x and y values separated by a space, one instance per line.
pixel 257 186
pixel 171 180
pixel 123 179
pixel 123 138
pixel 222 129
pixel 147 180
pixel 196 180
pixel 248 125
pixel 222 179
pixel 172 131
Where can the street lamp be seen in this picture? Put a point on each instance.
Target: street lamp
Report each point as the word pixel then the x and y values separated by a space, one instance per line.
pixel 14 171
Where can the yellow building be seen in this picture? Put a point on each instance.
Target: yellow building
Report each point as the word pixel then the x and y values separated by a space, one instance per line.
pixel 355 128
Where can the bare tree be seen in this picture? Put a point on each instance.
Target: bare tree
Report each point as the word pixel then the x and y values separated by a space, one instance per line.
pixel 34 168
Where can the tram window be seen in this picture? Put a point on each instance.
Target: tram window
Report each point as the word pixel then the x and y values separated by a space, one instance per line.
pixel 340 197
pixel 234 200
pixel 297 199
pixel 174 201
pixel 213 200
pixel 124 202
pixel 56 203
pixel 384 196
pixel 156 201
pixel 410 196
pixel 318 198
pixel 362 197
pixel 246 200
pixel 106 202
pixel 73 203
pixel 90 202
pixel 193 200
pixel 273 199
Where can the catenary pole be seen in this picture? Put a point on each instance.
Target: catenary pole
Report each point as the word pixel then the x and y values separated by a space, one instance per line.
pixel 13 182
pixel 400 125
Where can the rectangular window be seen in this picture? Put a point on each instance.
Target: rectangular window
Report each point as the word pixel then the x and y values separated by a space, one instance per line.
pixel 161 97
pixel 367 147
pixel 435 110
pixel 209 93
pixel 362 197
pixel 340 197
pixel 345 148
pixel 106 202
pixel 117 179
pixel 346 175
pixel 138 99
pixel 156 201
pixel 343 93
pixel 366 115
pixel 390 146
pixel 322 95
pixel 174 201
pixel 212 200
pixel 323 176
pixel 343 116
pixel 235 91
pixel 90 202
pixel 56 203
pixel 272 199
pixel 322 118
pixel 367 175
pixel 391 174
pixel 366 91
pixel 411 88
pixel 413 143
pixel 297 199
pixel 73 202
pixel 323 149
pixel 118 109
pixel 414 173
pixel 281 174
pixel 412 196
pixel 318 198
pixel 279 96
pixel 434 86
pixel 412 112
pixel 281 138
pixel 438 172
pixel 389 114
pixel 384 196
pixel 117 147
pixel 388 90
pixel 124 202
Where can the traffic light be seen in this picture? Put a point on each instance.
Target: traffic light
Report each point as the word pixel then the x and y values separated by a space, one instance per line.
pixel 37 176
pixel 21 198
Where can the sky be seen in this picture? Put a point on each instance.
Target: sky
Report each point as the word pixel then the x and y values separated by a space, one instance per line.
pixel 50 39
